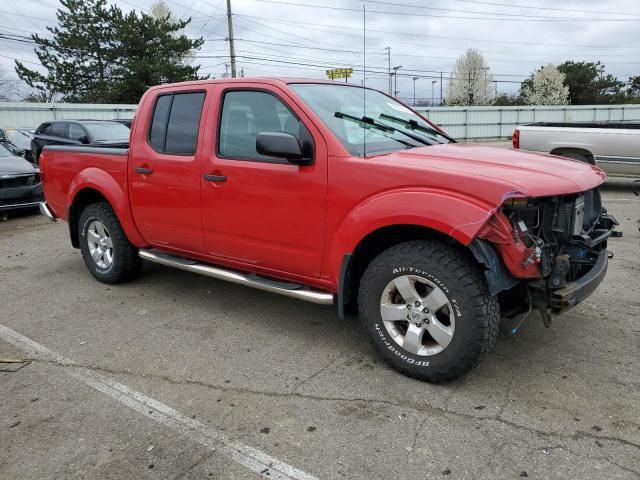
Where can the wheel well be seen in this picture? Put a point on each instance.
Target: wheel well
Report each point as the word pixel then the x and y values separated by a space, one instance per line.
pixel 369 248
pixel 576 151
pixel 82 199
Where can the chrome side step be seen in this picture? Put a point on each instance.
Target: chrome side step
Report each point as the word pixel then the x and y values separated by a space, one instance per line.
pixel 46 211
pixel 249 280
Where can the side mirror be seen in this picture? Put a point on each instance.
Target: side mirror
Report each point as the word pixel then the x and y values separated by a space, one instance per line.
pixel 84 140
pixel 281 145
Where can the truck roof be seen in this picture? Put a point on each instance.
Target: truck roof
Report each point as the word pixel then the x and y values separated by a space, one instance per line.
pixel 235 81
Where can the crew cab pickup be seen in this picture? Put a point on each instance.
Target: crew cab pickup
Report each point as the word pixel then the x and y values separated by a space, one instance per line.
pixel 612 146
pixel 338 194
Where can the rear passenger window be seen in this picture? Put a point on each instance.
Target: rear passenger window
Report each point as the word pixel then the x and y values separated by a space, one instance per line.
pixel 159 122
pixel 175 123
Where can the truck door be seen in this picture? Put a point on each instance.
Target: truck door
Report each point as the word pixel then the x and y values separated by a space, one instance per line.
pixel 258 210
pixel 164 171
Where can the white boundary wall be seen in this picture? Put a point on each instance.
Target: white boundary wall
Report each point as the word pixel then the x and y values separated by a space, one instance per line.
pixel 499 122
pixel 460 122
pixel 30 115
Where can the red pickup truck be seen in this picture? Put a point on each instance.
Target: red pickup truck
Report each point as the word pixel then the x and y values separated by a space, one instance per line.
pixel 338 194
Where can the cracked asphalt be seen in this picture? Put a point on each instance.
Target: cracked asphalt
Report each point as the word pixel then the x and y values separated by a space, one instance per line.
pixel 290 379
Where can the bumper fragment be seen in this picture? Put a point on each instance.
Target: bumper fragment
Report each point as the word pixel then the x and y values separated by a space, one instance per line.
pixel 575 292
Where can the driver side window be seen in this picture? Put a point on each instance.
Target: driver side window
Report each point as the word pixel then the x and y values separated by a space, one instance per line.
pixel 246 113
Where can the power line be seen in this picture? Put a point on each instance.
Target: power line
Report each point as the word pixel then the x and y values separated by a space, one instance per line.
pixel 543 8
pixel 500 14
pixel 314 26
pixel 308 5
pixel 26 16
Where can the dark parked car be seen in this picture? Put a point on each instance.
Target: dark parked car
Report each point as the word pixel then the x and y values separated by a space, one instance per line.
pixel 124 121
pixel 20 185
pixel 98 133
pixel 20 138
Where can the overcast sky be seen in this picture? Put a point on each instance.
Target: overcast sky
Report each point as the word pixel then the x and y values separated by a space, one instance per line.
pixel 515 36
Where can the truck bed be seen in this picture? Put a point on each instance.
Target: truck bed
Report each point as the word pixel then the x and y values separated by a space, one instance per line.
pixel 60 166
pixel 612 125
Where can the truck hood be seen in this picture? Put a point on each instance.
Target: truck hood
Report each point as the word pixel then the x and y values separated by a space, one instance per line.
pixel 531 174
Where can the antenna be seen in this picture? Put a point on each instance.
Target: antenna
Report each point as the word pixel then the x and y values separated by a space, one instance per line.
pixel 364 77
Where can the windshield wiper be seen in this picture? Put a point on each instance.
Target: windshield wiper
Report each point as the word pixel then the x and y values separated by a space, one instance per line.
pixel 416 126
pixel 382 126
pixel 371 122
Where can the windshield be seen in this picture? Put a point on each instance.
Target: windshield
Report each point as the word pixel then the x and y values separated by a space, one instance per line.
pixel 5 152
pixel 107 131
pixel 366 121
pixel 19 138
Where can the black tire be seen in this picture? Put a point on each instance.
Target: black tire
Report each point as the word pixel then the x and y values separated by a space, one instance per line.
pixel 126 263
pixel 477 314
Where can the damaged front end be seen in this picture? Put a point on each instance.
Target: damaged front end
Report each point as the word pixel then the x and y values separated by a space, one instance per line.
pixel 553 252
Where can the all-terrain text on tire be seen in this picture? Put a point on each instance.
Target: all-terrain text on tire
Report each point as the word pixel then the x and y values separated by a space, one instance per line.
pixel 427 310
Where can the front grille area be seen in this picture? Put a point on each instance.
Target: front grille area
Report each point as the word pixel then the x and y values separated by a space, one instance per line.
pixel 20 181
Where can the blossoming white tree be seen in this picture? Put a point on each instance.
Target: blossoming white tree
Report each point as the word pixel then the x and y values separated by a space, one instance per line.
pixel 546 87
pixel 472 82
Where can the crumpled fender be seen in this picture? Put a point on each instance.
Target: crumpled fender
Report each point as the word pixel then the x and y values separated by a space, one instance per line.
pixel 453 214
pixel 104 183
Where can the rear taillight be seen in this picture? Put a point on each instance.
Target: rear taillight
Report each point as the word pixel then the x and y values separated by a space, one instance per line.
pixel 516 138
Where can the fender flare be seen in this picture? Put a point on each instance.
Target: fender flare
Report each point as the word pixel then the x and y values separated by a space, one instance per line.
pixel 93 178
pixel 452 214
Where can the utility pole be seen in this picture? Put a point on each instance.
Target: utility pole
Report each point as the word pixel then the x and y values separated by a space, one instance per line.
pixel 485 81
pixel 414 90
pixel 232 49
pixel 433 97
pixel 440 88
pixel 395 79
pixel 388 54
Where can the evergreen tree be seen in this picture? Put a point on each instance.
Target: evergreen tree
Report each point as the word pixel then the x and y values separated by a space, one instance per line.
pixel 589 84
pixel 150 51
pixel 79 57
pixel 98 54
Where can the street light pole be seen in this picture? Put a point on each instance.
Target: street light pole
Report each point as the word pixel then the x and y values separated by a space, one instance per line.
pixel 395 79
pixel 414 90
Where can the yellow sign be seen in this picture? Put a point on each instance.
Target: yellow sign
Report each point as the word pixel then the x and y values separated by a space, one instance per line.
pixel 339 73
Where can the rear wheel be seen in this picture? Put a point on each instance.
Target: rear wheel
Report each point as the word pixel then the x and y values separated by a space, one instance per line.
pixel 428 310
pixel 578 156
pixel 105 248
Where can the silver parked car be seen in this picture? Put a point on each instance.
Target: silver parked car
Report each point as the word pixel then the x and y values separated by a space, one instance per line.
pixel 614 147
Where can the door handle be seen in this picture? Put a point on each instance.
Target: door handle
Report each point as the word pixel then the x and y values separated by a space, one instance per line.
pixel 215 178
pixel 144 170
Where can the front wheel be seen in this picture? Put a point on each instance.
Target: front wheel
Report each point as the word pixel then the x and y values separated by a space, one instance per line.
pixel 428 310
pixel 105 248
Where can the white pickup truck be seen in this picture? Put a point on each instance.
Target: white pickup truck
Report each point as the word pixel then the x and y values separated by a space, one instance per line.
pixel 614 147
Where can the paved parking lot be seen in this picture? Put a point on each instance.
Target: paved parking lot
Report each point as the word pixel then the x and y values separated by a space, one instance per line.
pixel 180 376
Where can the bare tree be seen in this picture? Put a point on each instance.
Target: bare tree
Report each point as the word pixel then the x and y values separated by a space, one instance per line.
pixel 160 10
pixel 472 82
pixel 8 86
pixel 546 87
